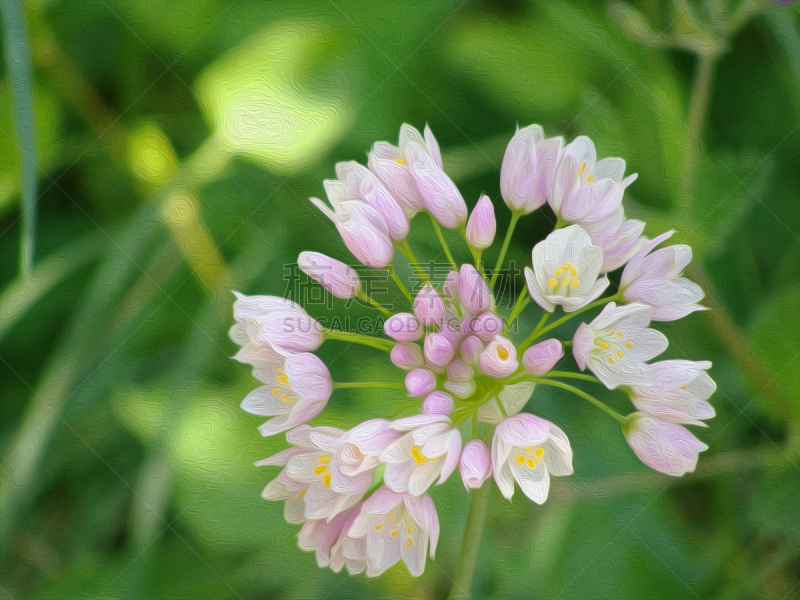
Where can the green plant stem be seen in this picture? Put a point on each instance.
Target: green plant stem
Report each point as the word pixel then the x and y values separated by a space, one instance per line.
pixel 442 241
pixel 400 285
pixel 569 375
pixel 522 301
pixel 535 333
pixel 405 249
pixel 515 216
pixel 375 303
pixel 358 338
pixel 471 542
pixel 538 333
pixel 578 392
pixel 367 384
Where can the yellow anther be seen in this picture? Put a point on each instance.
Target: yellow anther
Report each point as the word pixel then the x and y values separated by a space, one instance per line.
pixel 684 387
pixel 566 265
pixel 394 533
pixel 611 361
pixel 528 449
pixel 575 283
pixel 620 335
pixel 410 529
pixel 539 454
pixel 531 463
pixel 583 167
pixel 590 179
pixel 552 284
pixel 275 391
pixel 409 543
pixel 326 480
pixel 321 469
pixel 620 353
pixel 574 271
pixel 520 458
pixel 401 160
pixel 603 345
pixel 325 458
pixel 283 379
pixel 301 493
pixel 629 344
pixel 502 353
pixel 565 282
pixel 378 526
pixel 419 457
pixel 287 398
pixel 611 332
pixel 558 272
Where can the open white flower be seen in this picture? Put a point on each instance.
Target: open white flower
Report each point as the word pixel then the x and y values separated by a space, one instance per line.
pixel 528 449
pixel 428 450
pixel 663 446
pixel 619 239
pixel 389 527
pixel 566 270
pixel 679 392
pixel 615 345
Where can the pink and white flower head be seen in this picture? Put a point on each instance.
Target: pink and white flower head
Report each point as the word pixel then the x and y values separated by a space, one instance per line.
pixel 616 345
pixel 678 394
pixel 499 358
pixel 475 464
pixel 619 239
pixel 362 184
pixel 363 229
pixel 586 191
pixel 663 446
pixel 474 294
pixel 403 327
pixel 528 449
pixel 486 326
pixel 429 449
pixel 482 225
pixel 389 163
pixel 296 389
pixel 438 350
pixel 320 535
pixel 274 322
pixel 566 270
pixel 528 168
pixel 438 403
pixel 407 356
pixel 542 357
pixel 420 382
pixel 428 306
pixel 389 527
pixel 470 349
pixel 654 278
pixel 335 276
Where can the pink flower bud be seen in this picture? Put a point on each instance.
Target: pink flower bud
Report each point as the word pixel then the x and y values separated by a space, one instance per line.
pixel 403 327
pixel 542 357
pixel 440 195
pixel 450 286
pixel 487 326
pixel 438 350
pixel 475 464
pixel 499 358
pixel 407 356
pixel 472 290
pixel 451 334
pixel 482 225
pixel 528 169
pixel 335 276
pixel 438 403
pixel 428 306
pixel 663 446
pixel 458 370
pixel 420 382
pixel 471 349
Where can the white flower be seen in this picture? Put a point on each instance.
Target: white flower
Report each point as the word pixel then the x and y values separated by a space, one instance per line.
pixel 619 239
pixel 566 270
pixel 654 278
pixel 389 527
pixel 526 174
pixel 663 446
pixel 615 345
pixel 528 449
pixel 428 450
pixel 585 191
pixel 678 393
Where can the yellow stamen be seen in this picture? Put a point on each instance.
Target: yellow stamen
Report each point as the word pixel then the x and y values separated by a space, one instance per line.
pixel 590 179
pixel 565 283
pixel 378 526
pixel 629 344
pixel 409 543
pixel 392 518
pixel 520 458
pixel 620 353
pixel 603 345
pixel 552 283
pixel 502 353
pixel 573 271
pixel 411 529
pixel 275 391
pixel 394 533
pixel 401 161
pixel 283 379
pixel 583 167
pixel 419 457
pixel 539 454
pixel 320 470
pixel 326 480
pixel 287 398
pixel 301 493
pixel 531 463
pixel 575 283
pixel 558 272
pixel 325 458
pixel 620 335
pixel 611 361
pixel 528 449
pixel 684 387
pixel 566 265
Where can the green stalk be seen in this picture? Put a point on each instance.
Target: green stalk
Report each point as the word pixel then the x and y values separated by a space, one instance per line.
pixel 375 303
pixel 471 543
pixel 367 384
pixel 515 216
pixel 522 301
pixel 578 392
pixel 400 285
pixel 405 249
pixel 358 338
pixel 442 241
pixel 538 333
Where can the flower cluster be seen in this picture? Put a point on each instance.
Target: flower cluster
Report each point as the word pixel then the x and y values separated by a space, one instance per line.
pixel 362 495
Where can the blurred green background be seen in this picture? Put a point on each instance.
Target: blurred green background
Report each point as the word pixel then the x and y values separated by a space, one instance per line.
pixel 177 144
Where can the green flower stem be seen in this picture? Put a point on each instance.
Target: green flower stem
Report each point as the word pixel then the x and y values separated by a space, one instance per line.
pixel 522 301
pixel 367 384
pixel 515 216
pixel 578 392
pixel 374 303
pixel 358 338
pixel 471 542
pixel 568 375
pixel 405 249
pixel 442 241
pixel 535 333
pixel 400 285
